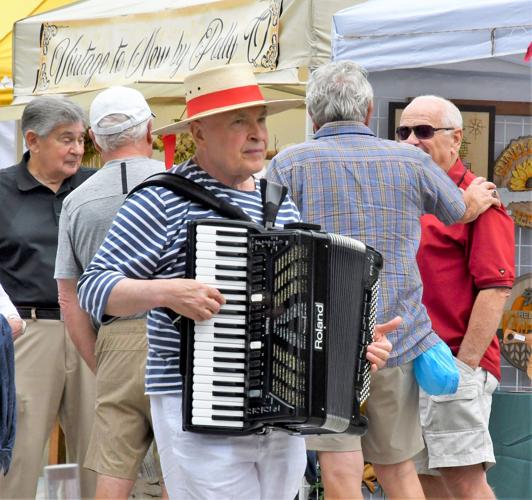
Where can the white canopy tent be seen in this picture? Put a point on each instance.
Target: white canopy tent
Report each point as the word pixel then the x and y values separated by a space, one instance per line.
pixel 383 34
pixel 470 49
pixel 304 36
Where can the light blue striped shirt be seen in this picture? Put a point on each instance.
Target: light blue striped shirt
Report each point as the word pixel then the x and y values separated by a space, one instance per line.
pixel 147 241
pixel 354 184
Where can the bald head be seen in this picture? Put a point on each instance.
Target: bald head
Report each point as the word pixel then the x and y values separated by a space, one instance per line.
pixel 439 113
pixel 448 113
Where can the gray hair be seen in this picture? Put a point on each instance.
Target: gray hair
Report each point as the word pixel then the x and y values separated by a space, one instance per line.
pixel 451 116
pixel 339 91
pixel 44 113
pixel 115 141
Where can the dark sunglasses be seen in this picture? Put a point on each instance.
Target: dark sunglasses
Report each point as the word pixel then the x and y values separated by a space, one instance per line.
pixel 421 131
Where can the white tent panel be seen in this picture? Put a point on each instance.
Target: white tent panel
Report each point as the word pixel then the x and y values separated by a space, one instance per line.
pixel 388 17
pixel 8 134
pixel 401 84
pixel 383 35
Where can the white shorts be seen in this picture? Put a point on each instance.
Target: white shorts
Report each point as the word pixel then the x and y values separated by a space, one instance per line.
pixel 455 426
pixel 205 466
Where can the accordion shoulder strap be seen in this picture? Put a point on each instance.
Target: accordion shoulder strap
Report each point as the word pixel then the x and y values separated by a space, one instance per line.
pixel 192 191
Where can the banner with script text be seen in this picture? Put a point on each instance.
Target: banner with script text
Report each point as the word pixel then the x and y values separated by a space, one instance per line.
pixel 96 53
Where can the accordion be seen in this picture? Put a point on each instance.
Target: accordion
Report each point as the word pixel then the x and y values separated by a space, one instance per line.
pixel 288 348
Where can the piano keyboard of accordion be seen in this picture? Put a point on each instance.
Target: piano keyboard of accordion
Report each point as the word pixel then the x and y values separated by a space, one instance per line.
pixel 288 349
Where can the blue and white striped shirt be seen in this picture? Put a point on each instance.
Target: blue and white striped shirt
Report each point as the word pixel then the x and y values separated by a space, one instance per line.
pixel 147 241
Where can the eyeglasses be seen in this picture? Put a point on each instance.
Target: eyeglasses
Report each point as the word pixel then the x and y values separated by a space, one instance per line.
pixel 421 131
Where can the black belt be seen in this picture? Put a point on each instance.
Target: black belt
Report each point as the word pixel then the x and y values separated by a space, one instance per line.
pixel 39 312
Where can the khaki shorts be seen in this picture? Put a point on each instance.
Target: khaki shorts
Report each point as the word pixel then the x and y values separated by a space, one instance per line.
pixel 455 426
pixel 394 433
pixel 122 430
pixel 334 442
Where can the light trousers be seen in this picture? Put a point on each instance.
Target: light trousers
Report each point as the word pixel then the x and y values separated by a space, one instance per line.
pixel 51 380
pixel 204 466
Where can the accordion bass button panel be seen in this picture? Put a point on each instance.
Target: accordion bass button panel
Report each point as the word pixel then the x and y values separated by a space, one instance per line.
pixel 256 330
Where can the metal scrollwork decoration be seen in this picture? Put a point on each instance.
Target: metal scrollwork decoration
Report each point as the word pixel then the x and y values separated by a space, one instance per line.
pixel 43 78
pixel 258 36
pixel 269 60
pixel 48 32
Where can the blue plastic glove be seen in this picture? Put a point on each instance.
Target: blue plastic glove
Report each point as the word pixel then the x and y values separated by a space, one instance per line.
pixel 436 371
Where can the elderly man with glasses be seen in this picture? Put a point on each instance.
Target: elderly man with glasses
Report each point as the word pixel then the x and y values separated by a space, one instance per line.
pixel 477 260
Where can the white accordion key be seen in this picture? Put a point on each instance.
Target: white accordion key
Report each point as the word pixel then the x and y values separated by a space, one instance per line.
pixel 214 229
pixel 208 421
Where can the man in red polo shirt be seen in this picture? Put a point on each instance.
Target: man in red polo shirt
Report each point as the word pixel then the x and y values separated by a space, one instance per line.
pixel 467 272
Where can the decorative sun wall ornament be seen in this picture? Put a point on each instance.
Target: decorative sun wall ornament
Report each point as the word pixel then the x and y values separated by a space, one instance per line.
pixel 521 212
pixel 513 168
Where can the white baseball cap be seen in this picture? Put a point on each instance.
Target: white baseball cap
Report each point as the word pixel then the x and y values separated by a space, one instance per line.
pixel 123 100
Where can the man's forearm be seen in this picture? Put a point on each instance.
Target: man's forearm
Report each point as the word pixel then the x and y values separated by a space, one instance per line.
pixel 187 297
pixel 77 322
pixel 131 296
pixel 485 317
pixel 470 214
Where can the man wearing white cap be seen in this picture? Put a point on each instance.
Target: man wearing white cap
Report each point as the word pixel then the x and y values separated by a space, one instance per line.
pixel 121 126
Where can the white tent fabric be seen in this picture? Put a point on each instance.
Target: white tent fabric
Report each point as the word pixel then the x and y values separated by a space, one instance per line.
pixel 8 133
pixel 383 34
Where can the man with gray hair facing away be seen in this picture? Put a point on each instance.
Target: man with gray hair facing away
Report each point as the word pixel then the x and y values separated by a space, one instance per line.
pixel 50 377
pixel 478 260
pixel 355 184
pixel 121 125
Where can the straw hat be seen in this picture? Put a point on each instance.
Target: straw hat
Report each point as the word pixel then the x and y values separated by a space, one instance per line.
pixel 224 88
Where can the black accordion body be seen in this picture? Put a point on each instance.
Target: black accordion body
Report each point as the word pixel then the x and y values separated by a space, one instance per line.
pixel 288 348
